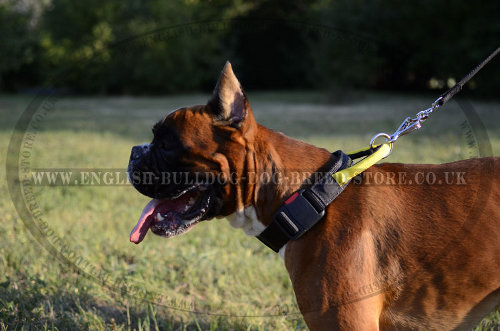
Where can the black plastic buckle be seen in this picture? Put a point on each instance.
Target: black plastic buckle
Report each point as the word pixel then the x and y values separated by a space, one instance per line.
pixel 299 213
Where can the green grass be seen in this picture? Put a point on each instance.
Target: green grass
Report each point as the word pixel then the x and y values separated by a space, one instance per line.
pixel 213 268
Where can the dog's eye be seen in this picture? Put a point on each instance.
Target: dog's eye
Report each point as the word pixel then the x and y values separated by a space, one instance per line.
pixel 166 145
pixel 165 138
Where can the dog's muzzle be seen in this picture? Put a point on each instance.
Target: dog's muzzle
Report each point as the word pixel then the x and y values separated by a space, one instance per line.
pixel 176 207
pixel 140 170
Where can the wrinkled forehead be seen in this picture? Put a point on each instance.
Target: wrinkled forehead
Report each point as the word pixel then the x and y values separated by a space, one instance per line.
pixel 184 119
pixel 181 113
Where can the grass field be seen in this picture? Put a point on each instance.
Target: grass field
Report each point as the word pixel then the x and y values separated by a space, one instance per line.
pixel 230 280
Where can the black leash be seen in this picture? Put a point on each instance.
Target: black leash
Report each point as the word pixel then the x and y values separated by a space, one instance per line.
pixel 458 86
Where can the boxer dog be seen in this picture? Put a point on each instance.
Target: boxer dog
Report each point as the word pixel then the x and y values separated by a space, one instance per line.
pixel 407 247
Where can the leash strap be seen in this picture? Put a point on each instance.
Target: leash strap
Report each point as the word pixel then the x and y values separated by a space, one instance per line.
pixel 373 155
pixel 458 86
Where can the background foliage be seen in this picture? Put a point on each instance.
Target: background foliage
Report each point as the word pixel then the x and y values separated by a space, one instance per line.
pixel 182 44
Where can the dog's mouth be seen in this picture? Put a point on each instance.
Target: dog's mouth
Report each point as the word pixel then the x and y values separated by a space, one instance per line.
pixel 177 215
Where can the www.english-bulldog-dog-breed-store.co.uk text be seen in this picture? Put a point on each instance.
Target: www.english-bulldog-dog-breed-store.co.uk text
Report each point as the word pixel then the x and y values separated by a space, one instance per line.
pixel 431 251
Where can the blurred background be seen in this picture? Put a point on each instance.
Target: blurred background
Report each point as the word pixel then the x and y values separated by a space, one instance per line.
pixel 141 47
pixel 96 75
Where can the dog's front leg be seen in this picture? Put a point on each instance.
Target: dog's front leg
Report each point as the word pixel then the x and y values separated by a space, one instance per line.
pixel 362 315
pixel 329 300
pixel 337 288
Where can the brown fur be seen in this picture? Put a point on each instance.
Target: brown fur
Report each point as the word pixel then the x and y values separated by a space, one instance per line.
pixel 388 256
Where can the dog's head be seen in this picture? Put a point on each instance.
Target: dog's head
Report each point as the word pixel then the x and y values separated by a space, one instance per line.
pixel 191 166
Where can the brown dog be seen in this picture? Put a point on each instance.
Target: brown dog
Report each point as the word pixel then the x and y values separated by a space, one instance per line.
pixel 406 247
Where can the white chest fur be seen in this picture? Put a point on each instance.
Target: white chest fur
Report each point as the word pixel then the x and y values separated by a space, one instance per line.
pixel 247 220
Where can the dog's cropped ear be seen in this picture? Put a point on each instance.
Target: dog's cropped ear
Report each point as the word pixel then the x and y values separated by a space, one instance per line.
pixel 229 103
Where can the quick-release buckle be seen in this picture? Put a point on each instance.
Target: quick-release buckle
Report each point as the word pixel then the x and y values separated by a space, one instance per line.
pixel 299 213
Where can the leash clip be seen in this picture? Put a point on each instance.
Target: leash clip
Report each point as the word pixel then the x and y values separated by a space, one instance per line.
pixel 410 124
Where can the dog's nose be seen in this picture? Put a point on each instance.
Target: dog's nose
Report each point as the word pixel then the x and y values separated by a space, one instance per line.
pixel 138 151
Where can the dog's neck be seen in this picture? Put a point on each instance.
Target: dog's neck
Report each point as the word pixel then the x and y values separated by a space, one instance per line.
pixel 281 165
pixel 272 159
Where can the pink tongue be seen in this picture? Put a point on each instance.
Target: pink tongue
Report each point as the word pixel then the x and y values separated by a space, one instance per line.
pixel 142 227
pixel 161 206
